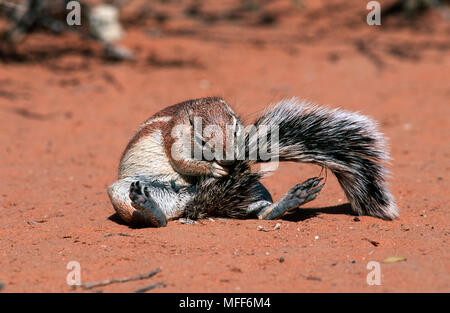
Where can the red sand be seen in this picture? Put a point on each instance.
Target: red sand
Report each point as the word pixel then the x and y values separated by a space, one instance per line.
pixel 66 117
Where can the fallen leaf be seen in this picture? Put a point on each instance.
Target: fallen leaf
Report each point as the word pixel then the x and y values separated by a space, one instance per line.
pixel 393 259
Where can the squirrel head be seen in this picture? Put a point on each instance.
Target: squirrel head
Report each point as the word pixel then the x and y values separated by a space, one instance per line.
pixel 216 127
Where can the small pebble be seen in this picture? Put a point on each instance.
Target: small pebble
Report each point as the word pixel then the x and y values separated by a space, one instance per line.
pixel 407 126
pixel 281 260
pixel 260 228
pixel 205 84
pixel 316 237
pixel 186 221
pixel 277 226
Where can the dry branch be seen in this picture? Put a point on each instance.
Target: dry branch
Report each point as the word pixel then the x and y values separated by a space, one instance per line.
pixel 120 280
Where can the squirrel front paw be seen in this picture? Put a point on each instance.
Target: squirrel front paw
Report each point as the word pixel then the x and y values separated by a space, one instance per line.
pixel 218 170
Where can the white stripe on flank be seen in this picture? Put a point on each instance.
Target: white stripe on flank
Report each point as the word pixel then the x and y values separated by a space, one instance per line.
pixel 155 120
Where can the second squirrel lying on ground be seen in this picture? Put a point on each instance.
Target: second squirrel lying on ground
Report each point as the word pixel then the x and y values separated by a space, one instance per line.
pixel 160 178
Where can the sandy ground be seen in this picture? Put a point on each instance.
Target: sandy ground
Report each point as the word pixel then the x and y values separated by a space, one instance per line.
pixel 66 116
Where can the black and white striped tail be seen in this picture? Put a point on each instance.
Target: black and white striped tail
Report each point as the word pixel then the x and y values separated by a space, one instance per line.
pixel 347 143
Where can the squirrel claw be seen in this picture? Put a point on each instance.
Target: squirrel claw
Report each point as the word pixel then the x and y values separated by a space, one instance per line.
pixel 218 170
pixel 303 193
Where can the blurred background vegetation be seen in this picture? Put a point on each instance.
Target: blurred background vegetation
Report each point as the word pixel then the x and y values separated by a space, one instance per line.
pixel 104 22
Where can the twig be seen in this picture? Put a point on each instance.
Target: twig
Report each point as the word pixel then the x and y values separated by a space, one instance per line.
pixel 152 286
pixel 373 242
pixel 120 280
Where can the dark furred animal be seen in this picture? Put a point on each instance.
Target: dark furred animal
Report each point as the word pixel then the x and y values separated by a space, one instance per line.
pixel 154 186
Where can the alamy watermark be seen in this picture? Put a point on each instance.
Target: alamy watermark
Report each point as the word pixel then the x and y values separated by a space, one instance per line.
pixel 226 144
pixel 373 278
pixel 374 16
pixel 73 278
pixel 74 16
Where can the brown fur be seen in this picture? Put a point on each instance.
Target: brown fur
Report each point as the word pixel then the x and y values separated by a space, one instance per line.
pixel 212 111
pixel 149 153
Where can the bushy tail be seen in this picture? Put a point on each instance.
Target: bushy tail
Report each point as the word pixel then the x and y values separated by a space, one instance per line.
pixel 347 143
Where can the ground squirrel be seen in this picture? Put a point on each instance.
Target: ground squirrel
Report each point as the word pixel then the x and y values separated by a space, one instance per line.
pixel 161 177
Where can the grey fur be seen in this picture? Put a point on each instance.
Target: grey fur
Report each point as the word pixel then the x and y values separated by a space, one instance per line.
pixel 347 143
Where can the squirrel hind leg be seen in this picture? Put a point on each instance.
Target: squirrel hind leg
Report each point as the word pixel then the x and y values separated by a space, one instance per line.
pixel 131 201
pixel 119 194
pixel 295 197
pixel 143 203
